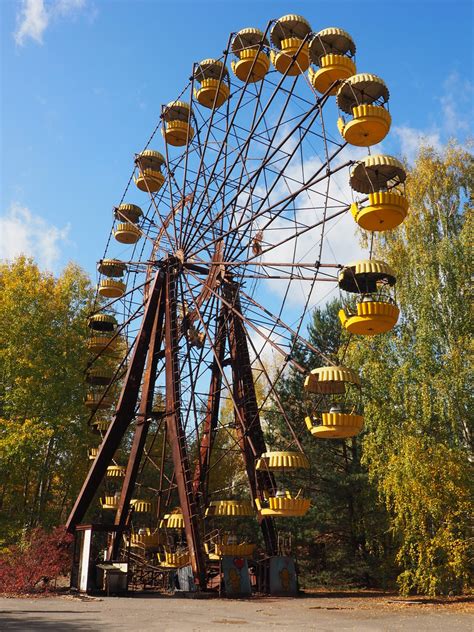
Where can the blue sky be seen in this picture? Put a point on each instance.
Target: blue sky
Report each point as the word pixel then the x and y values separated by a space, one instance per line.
pixel 82 82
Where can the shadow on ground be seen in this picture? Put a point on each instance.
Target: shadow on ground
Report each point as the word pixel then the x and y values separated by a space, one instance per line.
pixel 29 621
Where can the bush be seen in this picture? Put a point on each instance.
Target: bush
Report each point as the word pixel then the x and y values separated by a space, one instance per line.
pixel 32 565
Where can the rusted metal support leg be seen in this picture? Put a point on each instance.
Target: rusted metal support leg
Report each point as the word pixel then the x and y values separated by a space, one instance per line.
pixel 201 472
pixel 176 435
pixel 125 408
pixel 249 429
pixel 141 427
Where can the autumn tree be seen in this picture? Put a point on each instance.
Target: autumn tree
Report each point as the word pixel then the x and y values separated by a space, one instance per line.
pixel 43 429
pixel 418 407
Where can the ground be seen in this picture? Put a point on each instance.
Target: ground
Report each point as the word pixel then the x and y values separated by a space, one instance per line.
pixel 324 612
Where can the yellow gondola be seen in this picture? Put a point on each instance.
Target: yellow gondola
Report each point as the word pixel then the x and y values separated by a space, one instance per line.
pixel 131 212
pixel 363 96
pixel 253 63
pixel 110 502
pixel 332 50
pixel 110 288
pixel 127 233
pixel 116 471
pixel 288 35
pixel 282 461
pixel 336 425
pixel 212 77
pixel 376 311
pixel 102 344
pixel 383 178
pixel 177 130
pixel 140 506
pixel 100 425
pixel 92 453
pixel 170 559
pixel 147 539
pixel 148 179
pixel 96 401
pixel 230 508
pixel 282 502
pixel 173 520
pixel 338 417
pixel 111 267
pixel 99 376
pixel 102 322
pixel 228 545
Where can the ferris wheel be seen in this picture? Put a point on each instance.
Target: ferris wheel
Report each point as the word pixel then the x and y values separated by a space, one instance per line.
pixel 222 243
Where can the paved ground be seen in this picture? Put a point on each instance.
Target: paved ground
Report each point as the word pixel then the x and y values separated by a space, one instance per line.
pixel 364 612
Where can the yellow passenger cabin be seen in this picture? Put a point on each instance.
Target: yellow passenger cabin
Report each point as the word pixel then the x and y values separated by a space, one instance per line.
pixel 111 267
pixel 92 453
pixel 212 79
pixel 100 425
pixel 375 311
pixel 105 344
pixel 383 179
pixel 140 506
pixel 332 50
pixel 102 322
pixel 177 129
pixel 111 288
pixel 148 178
pixel 116 471
pixel 220 545
pixel 279 461
pixel 99 375
pixel 98 401
pixel 230 508
pixel 146 539
pixel 173 520
pixel 363 97
pixel 338 391
pixel 173 559
pixel 253 63
pixel 128 212
pixel 282 502
pixel 127 233
pixel 110 502
pixel 289 35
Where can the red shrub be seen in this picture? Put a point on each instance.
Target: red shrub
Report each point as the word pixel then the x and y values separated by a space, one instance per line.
pixel 39 559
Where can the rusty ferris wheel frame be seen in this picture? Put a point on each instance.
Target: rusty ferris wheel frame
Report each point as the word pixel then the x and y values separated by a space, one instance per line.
pixel 237 195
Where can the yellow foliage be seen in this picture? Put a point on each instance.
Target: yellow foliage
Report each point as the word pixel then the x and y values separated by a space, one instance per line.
pixel 42 358
pixel 418 379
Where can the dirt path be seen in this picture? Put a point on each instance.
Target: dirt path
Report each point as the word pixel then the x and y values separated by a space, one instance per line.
pixel 324 612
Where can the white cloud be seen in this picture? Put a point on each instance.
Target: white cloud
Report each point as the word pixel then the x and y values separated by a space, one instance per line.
pixel 24 233
pixel 411 138
pixel 453 120
pixel 35 16
pixel 456 104
pixel 32 21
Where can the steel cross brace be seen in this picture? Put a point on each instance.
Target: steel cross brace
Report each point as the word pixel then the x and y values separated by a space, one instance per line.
pixel 249 429
pixel 125 411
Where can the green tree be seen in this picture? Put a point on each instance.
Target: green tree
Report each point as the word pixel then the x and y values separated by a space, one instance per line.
pixel 418 406
pixel 43 429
